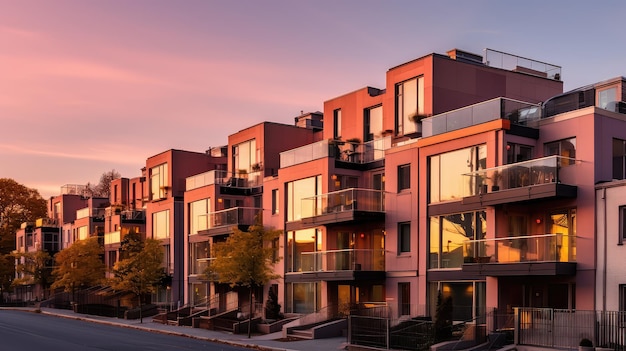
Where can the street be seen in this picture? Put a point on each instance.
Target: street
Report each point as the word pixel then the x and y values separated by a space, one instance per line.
pixel 32 331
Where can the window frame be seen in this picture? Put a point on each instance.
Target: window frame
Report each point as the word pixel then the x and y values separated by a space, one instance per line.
pixel 404 237
pixel 570 160
pixel 621 236
pixel 404 177
pixel 275 202
pixel 337 123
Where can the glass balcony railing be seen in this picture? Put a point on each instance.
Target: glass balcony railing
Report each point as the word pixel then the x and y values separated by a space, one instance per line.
pixel 200 265
pixel 90 212
pixel 342 150
pixel 344 200
pixel 516 175
pixel 112 238
pixel 518 112
pixel 519 249
pixel 343 260
pixel 215 177
pixel 499 59
pixel 229 217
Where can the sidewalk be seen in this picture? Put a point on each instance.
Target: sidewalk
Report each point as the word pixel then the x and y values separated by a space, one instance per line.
pixel 257 341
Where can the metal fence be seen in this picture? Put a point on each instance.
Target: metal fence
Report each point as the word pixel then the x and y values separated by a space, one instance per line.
pixel 565 329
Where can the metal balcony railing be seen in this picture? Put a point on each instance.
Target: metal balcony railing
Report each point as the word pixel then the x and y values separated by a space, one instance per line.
pixel 516 175
pixel 520 249
pixel 352 199
pixel 342 260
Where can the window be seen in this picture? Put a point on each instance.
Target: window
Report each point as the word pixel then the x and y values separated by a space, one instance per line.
pixel 404 177
pixel 404 298
pixel 446 173
pixel 373 122
pixel 275 202
pixel 404 237
pixel 619 158
pixel 409 105
pixel 198 215
pixel 159 182
pixel 337 123
pixel 518 153
pixel 301 189
pixel 565 148
pixel 607 98
pixel 161 225
pixel 244 156
pixel 82 233
pixel 449 236
pixel 200 253
pixel 300 246
pixel 622 297
pixel 622 225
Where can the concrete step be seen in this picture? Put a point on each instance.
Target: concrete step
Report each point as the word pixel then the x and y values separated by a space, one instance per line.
pixel 302 334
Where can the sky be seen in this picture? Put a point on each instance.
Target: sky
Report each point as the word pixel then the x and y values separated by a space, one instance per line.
pixel 87 86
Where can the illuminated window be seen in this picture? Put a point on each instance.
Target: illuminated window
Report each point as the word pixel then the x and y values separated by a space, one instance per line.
pixel 337 123
pixel 409 105
pixel 159 183
pixel 565 148
pixel 198 215
pixel 161 224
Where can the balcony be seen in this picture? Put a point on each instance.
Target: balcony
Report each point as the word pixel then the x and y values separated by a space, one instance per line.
pixel 222 222
pixel 537 179
pixel 518 112
pixel 545 255
pixel 357 153
pixel 503 60
pixel 239 183
pixel 343 206
pixel 112 238
pixel 200 265
pixel 346 264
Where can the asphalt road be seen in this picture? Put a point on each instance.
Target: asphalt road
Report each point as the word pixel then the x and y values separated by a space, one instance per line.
pixel 33 331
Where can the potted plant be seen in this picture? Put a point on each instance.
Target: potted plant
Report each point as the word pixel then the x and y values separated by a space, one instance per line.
pixel 585 345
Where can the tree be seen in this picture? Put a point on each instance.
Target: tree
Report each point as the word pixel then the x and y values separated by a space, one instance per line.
pixel 140 270
pixel 103 188
pixel 443 318
pixel 79 266
pixel 245 259
pixel 18 204
pixel 34 268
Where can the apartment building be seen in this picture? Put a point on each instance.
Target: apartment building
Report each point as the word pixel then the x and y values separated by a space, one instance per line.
pixel 72 215
pixel 125 214
pixel 220 199
pixel 165 175
pixel 356 219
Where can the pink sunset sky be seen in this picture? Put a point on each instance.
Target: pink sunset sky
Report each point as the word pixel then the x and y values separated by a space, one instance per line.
pixel 90 86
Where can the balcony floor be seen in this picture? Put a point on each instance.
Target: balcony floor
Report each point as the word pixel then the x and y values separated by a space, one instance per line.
pixel 528 193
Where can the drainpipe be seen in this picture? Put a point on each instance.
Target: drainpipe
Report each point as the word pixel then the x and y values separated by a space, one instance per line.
pixel 604 259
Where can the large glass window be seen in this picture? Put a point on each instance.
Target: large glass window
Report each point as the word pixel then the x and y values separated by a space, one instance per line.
pixel 301 189
pixel 468 298
pixel 446 172
pixel 303 241
pixel 303 297
pixel 565 148
pixel 409 105
pixel 619 159
pixel 449 235
pixel 161 224
pixel 158 182
pixel 82 233
pixel 404 237
pixel 199 253
pixel 244 156
pixel 198 219
pixel 373 122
